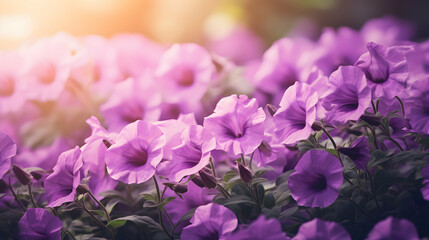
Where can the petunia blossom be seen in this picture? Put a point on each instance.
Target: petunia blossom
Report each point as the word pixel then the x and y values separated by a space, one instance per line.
pixel 185 72
pixel 316 180
pixel 358 152
pixel 394 229
pixel 39 224
pixel 210 221
pixel 61 185
pixel 386 70
pixel 132 99
pixel 237 123
pixel 11 94
pixel 297 112
pixel 257 230
pixel 348 97
pixel 319 229
pixel 193 154
pixel 7 151
pixel 134 156
pixel 93 156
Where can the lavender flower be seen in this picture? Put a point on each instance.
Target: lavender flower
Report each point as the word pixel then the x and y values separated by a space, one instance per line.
pixel 194 153
pixel 210 221
pixel 257 230
pixel 316 180
pixel 61 185
pixel 386 70
pixel 7 151
pixel 296 114
pixel 349 95
pixel 417 108
pixel 136 153
pixel 319 229
pixel 393 229
pixel 238 124
pixel 39 224
pixel 11 95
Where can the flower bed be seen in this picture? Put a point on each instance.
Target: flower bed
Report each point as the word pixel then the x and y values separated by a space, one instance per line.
pixel 323 139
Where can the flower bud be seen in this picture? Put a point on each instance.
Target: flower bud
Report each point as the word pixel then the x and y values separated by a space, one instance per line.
pixel 23 177
pixel 208 180
pixel 37 175
pixel 371 120
pixel 317 126
pixel 197 180
pixel 245 175
pixel 177 187
pixel 272 109
pixel 82 189
pixel 107 143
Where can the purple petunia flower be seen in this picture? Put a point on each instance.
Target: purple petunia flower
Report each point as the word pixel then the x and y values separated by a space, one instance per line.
pixel 11 96
pixel 417 108
pixel 132 100
pixel 316 180
pixel 386 30
pixel 358 152
pixel 319 229
pixel 93 156
pixel 136 153
pixel 210 221
pixel 348 97
pixel 386 70
pixel 257 230
pixel 184 73
pixel 7 151
pixel 193 198
pixel 39 224
pixel 238 124
pixel 297 112
pixel 61 185
pixel 393 229
pixel 194 153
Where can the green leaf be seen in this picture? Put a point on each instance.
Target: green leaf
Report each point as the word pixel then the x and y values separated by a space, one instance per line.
pixel 142 222
pixel 150 204
pixel 229 175
pixel 166 201
pixel 150 197
pixel 117 223
pixel 239 199
pixel 383 180
pixel 111 204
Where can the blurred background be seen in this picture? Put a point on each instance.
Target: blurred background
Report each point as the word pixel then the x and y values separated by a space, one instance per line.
pixel 169 21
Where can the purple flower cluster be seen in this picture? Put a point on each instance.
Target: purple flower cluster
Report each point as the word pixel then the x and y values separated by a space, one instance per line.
pixel 324 139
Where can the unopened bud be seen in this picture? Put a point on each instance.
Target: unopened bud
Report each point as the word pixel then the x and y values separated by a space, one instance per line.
pixel 37 175
pixel 197 180
pixel 317 126
pixel 272 109
pixel 245 175
pixel 208 180
pixel 107 143
pixel 23 177
pixel 371 120
pixel 82 189
pixel 177 187
pixel 354 131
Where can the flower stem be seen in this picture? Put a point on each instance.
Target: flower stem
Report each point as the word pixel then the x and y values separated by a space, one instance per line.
pixel 372 189
pixel 242 158
pixel 31 195
pixel 101 205
pixel 16 197
pixel 374 137
pixel 396 143
pixel 212 166
pixel 330 138
pixel 161 220
pixel 82 205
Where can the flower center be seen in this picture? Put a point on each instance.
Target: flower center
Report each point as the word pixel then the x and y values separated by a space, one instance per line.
pixel 7 86
pixel 47 73
pixel 139 159
pixel 317 183
pixel 186 78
